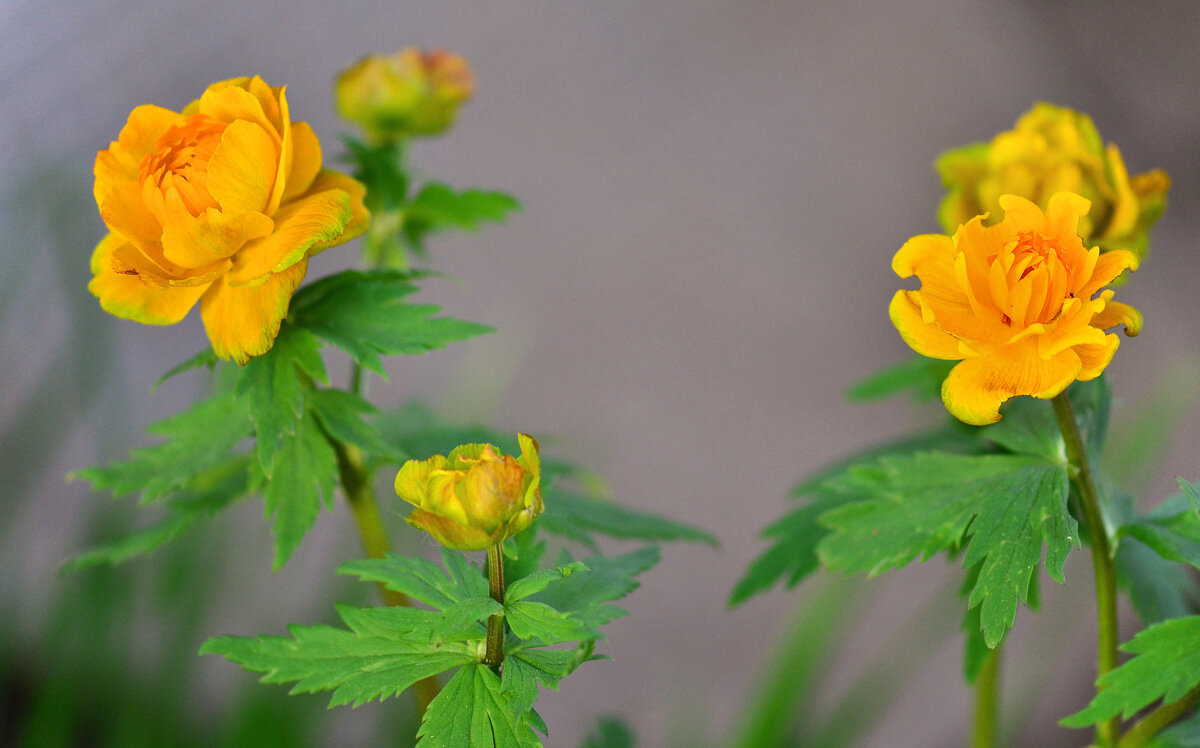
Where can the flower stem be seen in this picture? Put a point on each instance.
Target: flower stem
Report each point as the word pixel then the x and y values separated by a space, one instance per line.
pixel 987 702
pixel 494 655
pixel 1102 565
pixel 356 484
pixel 1155 721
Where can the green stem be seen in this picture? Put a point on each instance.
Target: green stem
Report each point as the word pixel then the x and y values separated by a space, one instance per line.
pixel 1102 565
pixel 1155 721
pixel 356 483
pixel 987 702
pixel 494 655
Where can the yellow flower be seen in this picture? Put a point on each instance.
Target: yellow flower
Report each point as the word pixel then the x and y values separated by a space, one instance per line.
pixel 1016 302
pixel 1053 149
pixel 409 93
pixel 221 204
pixel 474 497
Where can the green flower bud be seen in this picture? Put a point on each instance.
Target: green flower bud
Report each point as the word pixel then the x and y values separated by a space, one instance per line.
pixel 474 497
pixel 409 93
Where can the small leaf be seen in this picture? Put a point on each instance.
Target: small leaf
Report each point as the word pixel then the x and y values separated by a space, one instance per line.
pixel 272 386
pixel 372 660
pixel 610 732
pixel 197 440
pixel 363 313
pixel 341 413
pixel 437 207
pixel 306 472
pixel 1166 666
pixel 539 580
pixel 1159 589
pixel 1172 530
pixel 1191 491
pixel 605 579
pixel 419 579
pixel 472 710
pixel 540 622
pixel 206 358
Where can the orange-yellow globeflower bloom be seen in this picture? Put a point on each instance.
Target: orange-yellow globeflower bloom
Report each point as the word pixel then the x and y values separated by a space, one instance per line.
pixel 221 204
pixel 1016 302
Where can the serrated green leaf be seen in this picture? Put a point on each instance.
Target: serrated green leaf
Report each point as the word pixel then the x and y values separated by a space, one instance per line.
pixel 1007 506
pixel 975 649
pixel 460 616
pixel 606 578
pixel 210 492
pixel 437 207
pixel 272 386
pixel 305 472
pixel 197 440
pixel 549 666
pixel 206 358
pixel 371 660
pixel 1030 427
pixel 1159 589
pixel 342 413
pixel 540 622
pixel 471 710
pixel 420 579
pixel 1166 666
pixel 364 314
pixel 539 580
pixel 1172 530
pixel 923 376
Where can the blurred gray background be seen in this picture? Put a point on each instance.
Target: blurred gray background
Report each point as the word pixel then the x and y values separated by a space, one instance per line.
pixel 713 192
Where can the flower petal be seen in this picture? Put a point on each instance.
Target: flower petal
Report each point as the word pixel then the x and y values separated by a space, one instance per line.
pixel 125 295
pixel 360 217
pixel 1063 212
pixel 1115 313
pixel 926 338
pixel 930 257
pixel 194 242
pixel 1022 214
pixel 124 213
pixel 976 387
pixel 298 226
pixel 413 479
pixel 138 137
pixel 229 102
pixel 243 322
pixel 451 534
pixel 1108 266
pixel 285 151
pixel 306 161
pixel 241 172
pixel 1095 358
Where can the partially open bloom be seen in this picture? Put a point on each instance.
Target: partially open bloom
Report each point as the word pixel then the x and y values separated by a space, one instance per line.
pixel 221 204
pixel 1015 302
pixel 474 497
pixel 412 92
pixel 1053 149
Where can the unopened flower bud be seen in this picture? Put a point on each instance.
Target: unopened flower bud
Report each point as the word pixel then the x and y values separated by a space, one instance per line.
pixel 409 93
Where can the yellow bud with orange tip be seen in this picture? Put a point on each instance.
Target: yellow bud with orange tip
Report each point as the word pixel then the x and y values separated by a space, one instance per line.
pixel 412 92
pixel 474 497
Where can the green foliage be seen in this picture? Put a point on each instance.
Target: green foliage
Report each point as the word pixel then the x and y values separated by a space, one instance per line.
pixel 344 416
pixel 274 390
pixel 1166 666
pixel 1159 589
pixel 197 440
pixel 920 375
pixel 437 207
pixel 472 710
pixel 210 492
pixel 603 579
pixel 206 358
pixel 422 580
pixel 364 314
pixel 1030 427
pixel 1172 530
pixel 306 470
pixel 383 653
pixel 1004 507
pixel 792 555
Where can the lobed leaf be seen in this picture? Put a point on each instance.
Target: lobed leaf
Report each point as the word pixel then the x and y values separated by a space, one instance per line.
pixel 341 414
pixel 1007 506
pixel 198 439
pixel 373 659
pixel 364 314
pixel 1166 666
pixel 923 376
pixel 305 472
pixel 437 207
pixel 420 579
pixel 472 710
pixel 606 578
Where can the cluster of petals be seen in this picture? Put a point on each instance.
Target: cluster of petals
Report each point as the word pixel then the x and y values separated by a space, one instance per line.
pixel 474 497
pixel 1021 304
pixel 221 204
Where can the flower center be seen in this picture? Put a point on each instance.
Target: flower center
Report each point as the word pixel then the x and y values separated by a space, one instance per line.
pixel 176 174
pixel 1029 279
